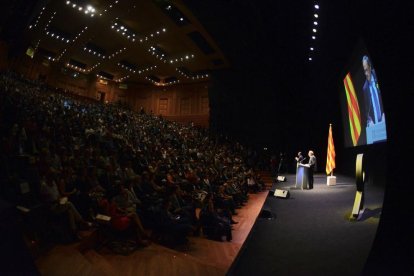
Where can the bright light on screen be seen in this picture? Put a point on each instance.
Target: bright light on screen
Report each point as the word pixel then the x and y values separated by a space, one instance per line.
pixel 362 108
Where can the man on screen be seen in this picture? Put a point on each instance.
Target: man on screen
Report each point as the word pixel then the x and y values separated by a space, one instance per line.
pixel 372 95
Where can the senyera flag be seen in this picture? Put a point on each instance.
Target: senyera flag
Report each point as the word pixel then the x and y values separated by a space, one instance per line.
pixel 330 159
pixel 353 109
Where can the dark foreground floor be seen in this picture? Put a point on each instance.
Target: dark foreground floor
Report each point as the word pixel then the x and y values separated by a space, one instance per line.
pixel 310 233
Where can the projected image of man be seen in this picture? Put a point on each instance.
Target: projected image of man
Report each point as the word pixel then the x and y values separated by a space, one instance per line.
pixel 372 96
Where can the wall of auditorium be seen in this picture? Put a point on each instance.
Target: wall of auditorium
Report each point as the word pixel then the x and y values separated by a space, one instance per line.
pixel 183 103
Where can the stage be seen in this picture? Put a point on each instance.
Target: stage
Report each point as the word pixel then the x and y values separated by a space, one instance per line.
pixel 309 233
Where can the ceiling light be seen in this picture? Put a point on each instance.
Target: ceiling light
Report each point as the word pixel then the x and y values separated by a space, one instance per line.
pixel 313 37
pixel 311 48
pixel 316 15
pixel 317 7
pixel 310 58
pixel 315 23
pixel 314 30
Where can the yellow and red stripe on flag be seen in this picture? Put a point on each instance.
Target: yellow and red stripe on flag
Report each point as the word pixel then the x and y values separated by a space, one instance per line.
pixel 354 115
pixel 330 159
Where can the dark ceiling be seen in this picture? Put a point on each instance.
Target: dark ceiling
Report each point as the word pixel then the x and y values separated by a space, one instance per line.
pixel 140 41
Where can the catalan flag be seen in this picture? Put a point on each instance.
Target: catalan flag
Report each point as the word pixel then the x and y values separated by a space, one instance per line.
pixel 330 159
pixel 353 109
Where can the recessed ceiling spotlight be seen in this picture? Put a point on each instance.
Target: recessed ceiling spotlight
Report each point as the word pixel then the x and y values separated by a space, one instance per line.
pixel 311 48
pixel 317 6
pixel 310 58
pixel 314 30
pixel 316 15
pixel 315 23
pixel 313 37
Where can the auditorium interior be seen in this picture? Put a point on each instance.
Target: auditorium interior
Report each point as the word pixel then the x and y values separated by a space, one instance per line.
pixel 159 137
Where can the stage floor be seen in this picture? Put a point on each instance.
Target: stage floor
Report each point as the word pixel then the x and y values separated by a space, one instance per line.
pixel 310 233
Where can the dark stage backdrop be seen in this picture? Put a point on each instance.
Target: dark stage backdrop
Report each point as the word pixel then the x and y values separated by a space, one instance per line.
pixel 243 106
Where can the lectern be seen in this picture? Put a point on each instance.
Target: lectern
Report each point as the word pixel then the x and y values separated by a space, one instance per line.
pixel 302 176
pixel 376 132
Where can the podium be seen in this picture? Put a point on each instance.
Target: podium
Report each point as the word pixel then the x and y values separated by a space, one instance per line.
pixel 376 132
pixel 302 176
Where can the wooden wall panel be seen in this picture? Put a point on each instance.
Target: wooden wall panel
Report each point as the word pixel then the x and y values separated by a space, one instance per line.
pixel 183 103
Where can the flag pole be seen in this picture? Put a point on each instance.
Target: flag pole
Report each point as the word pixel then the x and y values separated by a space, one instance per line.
pixel 330 161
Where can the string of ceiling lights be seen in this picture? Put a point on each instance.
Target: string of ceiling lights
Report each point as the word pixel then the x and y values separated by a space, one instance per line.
pixel 88 9
pixel 315 24
pixel 61 54
pixel 92 11
pixel 122 79
pixel 38 19
pixel 162 83
pixel 191 76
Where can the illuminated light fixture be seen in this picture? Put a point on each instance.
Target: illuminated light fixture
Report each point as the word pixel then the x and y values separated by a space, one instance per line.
pixel 316 15
pixel 314 30
pixel 313 37
pixel 315 23
pixel 192 76
pixel 181 19
pixel 311 48
pixel 87 9
pixel 317 6
pixel 38 18
pixel 127 33
pixel 310 59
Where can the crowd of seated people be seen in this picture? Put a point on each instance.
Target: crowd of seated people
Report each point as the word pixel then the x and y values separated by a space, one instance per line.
pixel 81 158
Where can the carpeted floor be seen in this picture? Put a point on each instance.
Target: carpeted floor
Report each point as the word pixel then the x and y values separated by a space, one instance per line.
pixel 310 233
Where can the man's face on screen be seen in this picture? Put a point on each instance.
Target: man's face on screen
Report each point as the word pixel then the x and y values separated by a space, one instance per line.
pixel 367 70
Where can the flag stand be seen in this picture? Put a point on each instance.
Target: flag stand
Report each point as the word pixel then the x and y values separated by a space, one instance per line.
pixel 331 180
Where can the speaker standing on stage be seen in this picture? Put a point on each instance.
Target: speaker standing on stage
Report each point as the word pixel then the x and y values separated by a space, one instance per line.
pixel 299 158
pixel 312 167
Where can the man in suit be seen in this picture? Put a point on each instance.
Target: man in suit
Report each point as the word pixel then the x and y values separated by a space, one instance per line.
pixel 312 168
pixel 372 96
